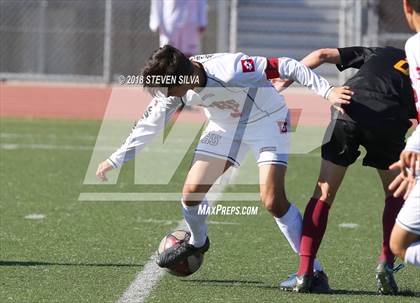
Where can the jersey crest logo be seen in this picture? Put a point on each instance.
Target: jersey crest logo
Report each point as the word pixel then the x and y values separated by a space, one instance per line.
pixel 402 66
pixel 282 126
pixel 248 65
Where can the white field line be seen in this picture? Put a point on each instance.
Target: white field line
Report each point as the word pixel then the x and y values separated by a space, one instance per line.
pixel 87 147
pixel 145 280
pixel 63 137
pixel 57 145
pixel 348 225
pixel 14 146
pixel 45 136
pixel 170 222
pixel 35 216
pixel 148 197
pixel 41 146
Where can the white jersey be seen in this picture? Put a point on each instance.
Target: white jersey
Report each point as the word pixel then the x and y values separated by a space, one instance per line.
pixel 412 50
pixel 233 80
pixel 238 90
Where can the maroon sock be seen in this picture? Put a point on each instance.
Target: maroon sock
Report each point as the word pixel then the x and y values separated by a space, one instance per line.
pixel 313 229
pixel 391 210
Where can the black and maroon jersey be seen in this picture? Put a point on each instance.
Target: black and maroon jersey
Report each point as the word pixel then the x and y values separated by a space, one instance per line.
pixel 383 95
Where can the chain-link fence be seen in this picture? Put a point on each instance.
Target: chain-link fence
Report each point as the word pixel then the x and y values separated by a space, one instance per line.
pixel 392 26
pixel 372 23
pixel 80 40
pixel 42 37
pixel 97 40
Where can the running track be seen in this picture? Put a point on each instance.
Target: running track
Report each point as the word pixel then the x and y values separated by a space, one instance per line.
pixel 77 101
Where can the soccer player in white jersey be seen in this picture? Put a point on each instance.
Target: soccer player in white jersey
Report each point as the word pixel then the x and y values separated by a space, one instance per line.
pixel 244 112
pixel 405 237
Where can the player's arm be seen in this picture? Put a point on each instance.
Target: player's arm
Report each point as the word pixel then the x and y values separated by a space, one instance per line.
pixel 291 69
pixel 147 128
pixel 313 60
pixel 251 71
pixel 343 58
pixel 321 56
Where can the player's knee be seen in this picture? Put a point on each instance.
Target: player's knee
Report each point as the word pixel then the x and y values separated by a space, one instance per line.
pixel 397 249
pixel 276 205
pixel 193 194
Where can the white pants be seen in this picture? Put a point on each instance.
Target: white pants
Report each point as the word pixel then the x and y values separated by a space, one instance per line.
pixel 186 39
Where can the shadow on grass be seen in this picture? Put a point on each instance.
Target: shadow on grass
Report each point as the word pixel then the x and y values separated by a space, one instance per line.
pixel 38 263
pixel 402 293
pixel 223 282
pixel 259 284
pixel 229 283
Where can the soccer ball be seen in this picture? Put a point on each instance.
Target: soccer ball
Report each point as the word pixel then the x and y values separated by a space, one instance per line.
pixel 185 267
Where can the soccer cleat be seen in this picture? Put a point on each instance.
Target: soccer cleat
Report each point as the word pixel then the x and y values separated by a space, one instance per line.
pixel 319 283
pixel 288 284
pixel 177 253
pixel 303 283
pixel 385 279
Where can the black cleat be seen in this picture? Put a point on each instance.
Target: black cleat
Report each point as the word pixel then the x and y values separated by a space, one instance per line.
pixel 319 284
pixel 304 283
pixel 385 279
pixel 180 252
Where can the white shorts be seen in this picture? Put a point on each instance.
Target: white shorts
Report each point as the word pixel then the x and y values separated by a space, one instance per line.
pixel 409 216
pixel 268 139
pixel 186 39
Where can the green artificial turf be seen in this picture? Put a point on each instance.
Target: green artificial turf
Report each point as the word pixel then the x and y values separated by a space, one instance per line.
pixel 91 251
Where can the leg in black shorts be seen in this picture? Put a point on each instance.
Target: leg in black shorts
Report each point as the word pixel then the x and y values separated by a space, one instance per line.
pixel 383 145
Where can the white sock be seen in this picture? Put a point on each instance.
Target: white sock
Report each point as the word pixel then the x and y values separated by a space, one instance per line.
pixel 196 223
pixel 412 254
pixel 291 227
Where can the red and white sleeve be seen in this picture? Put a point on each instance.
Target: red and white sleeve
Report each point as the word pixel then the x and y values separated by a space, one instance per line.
pixel 287 68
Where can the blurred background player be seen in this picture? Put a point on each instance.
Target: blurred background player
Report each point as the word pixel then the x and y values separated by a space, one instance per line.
pixel 405 237
pixel 180 23
pixel 245 112
pixel 378 119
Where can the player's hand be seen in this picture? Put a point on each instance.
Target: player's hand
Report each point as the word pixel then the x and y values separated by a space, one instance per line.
pixel 401 186
pixel 103 168
pixel 338 96
pixel 280 84
pixel 410 162
pixel 405 181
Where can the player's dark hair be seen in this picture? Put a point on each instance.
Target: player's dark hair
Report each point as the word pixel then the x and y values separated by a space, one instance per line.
pixel 415 4
pixel 167 61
